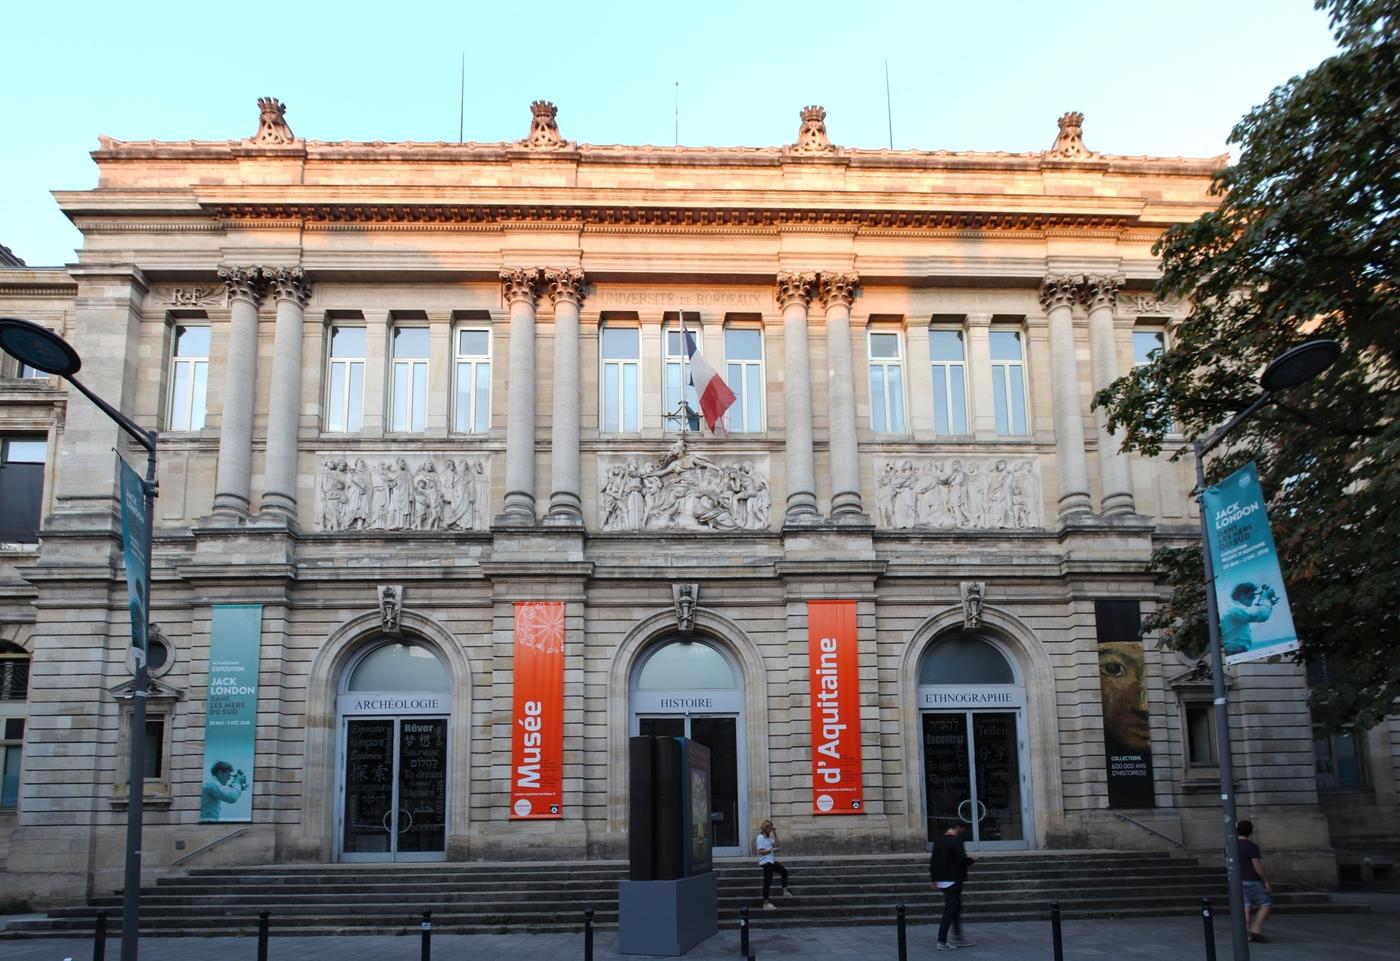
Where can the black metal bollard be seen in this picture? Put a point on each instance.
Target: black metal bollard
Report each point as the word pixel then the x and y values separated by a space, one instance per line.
pixel 426 952
pixel 900 933
pixel 99 937
pixel 1055 931
pixel 262 936
pixel 588 934
pixel 744 933
pixel 1208 920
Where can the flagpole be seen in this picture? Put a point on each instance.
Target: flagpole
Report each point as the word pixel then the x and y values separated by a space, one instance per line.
pixel 685 377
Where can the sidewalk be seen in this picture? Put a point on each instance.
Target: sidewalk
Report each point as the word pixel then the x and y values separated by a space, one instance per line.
pixel 1299 937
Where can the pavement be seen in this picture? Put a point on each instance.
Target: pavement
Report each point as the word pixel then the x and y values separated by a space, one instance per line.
pixel 1296 937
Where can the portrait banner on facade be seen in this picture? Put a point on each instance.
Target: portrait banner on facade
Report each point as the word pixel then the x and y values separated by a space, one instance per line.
pixel 833 659
pixel 231 719
pixel 1255 620
pixel 136 550
pixel 537 728
pixel 1127 729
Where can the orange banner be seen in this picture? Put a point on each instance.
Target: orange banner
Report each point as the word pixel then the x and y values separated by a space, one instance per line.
pixel 834 665
pixel 537 729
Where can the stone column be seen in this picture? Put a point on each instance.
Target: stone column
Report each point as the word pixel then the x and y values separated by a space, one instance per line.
pixel 794 294
pixel 1100 294
pixel 291 291
pixel 565 287
pixel 521 286
pixel 837 292
pixel 233 482
pixel 1057 295
pixel 982 415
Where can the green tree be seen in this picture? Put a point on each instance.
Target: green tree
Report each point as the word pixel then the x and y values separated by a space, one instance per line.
pixel 1303 244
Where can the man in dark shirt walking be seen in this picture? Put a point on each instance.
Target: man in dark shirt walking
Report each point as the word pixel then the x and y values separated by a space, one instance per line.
pixel 947 870
pixel 1255 883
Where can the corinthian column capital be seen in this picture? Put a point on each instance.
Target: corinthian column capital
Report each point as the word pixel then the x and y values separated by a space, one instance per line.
pixel 288 283
pixel 244 283
pixel 1101 290
pixel 521 284
pixel 564 284
pixel 795 287
pixel 1060 290
pixel 838 289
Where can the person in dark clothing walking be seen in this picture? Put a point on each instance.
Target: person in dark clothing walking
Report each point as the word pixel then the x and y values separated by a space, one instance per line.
pixel 1254 881
pixel 947 870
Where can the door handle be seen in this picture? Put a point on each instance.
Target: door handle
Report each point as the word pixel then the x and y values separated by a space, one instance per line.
pixel 961 818
pixel 981 811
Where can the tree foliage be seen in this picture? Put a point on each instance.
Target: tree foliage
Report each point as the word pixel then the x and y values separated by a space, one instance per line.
pixel 1303 244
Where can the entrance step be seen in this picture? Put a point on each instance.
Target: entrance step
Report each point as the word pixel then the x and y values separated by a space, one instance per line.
pixel 483 898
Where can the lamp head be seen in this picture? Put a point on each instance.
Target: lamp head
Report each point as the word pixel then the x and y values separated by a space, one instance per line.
pixel 38 347
pixel 1300 364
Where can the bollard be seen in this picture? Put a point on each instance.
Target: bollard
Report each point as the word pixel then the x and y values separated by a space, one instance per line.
pixel 99 937
pixel 262 936
pixel 899 932
pixel 1055 931
pixel 426 953
pixel 588 935
pixel 1208 920
pixel 744 933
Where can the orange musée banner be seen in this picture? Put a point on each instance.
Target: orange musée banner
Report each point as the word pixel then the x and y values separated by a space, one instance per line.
pixel 834 668
pixel 537 728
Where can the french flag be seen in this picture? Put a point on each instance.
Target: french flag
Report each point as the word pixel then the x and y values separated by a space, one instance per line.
pixel 715 395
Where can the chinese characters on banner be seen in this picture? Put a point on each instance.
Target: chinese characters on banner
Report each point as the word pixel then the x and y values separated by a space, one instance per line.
pixel 834 665
pixel 231 721
pixel 1255 620
pixel 537 729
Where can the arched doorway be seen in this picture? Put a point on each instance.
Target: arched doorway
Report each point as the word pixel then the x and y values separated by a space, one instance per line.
pixel 393 709
pixel 972 707
pixel 688 687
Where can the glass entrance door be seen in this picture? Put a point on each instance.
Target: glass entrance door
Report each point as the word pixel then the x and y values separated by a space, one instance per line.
pixel 973 775
pixel 721 736
pixel 395 789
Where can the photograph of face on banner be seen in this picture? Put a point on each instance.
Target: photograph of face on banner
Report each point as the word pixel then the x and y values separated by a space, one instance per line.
pixel 1127 727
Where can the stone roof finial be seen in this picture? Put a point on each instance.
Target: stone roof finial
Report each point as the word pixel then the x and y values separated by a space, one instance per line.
pixel 1069 145
pixel 544 131
pixel 272 123
pixel 811 136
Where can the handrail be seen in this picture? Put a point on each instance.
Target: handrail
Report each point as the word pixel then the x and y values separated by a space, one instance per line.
pixel 1145 827
pixel 201 850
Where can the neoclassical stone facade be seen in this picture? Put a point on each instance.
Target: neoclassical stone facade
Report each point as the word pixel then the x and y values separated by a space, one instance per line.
pixel 402 387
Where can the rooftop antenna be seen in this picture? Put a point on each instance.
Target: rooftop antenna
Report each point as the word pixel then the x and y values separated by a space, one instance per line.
pixel 889 113
pixel 462 98
pixel 678 113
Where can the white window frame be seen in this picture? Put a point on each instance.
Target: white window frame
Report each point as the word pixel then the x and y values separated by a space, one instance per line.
pixel 737 419
pixel 472 365
pixel 680 364
pixel 618 368
pixel 1159 329
pixel 415 420
pixel 1004 388
pixel 885 363
pixel 347 404
pixel 189 420
pixel 948 393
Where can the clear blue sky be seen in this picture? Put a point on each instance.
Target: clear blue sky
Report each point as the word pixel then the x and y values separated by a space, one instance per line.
pixel 1151 77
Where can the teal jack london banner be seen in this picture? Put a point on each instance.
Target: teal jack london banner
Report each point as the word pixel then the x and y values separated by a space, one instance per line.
pixel 136 549
pixel 231 724
pixel 1255 620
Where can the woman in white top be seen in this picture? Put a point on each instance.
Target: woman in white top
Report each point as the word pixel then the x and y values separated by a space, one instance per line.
pixel 766 844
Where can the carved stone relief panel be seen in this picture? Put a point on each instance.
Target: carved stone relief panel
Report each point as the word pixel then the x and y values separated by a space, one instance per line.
pixel 960 493
pixel 684 490
pixel 203 296
pixel 356 491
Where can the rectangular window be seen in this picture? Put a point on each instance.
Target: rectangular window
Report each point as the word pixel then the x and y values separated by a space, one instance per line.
pixel 21 487
pixel 345 398
pixel 743 360
pixel 1200 735
pixel 677 367
pixel 14 677
pixel 189 376
pixel 1147 344
pixel 155 746
pixel 886 383
pixel 1338 760
pixel 949 357
pixel 11 754
pixel 410 410
pixel 473 365
pixel 622 365
pixel 1009 381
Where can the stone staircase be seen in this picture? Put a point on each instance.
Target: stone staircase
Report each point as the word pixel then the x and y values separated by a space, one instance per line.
pixel 470 898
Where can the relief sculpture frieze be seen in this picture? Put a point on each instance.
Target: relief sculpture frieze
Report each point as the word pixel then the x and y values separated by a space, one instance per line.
pixel 401 492
pixel 684 490
pixel 960 493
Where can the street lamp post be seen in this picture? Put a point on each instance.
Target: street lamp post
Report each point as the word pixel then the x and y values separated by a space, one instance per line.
pixel 44 350
pixel 1291 368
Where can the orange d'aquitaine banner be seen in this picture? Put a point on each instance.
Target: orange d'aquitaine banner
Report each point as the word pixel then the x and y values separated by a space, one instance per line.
pixel 537 728
pixel 834 667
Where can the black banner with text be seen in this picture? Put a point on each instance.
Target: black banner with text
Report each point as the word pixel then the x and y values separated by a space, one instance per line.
pixel 1127 732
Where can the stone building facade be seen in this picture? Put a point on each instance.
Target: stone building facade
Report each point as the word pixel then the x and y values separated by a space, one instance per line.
pixel 401 387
